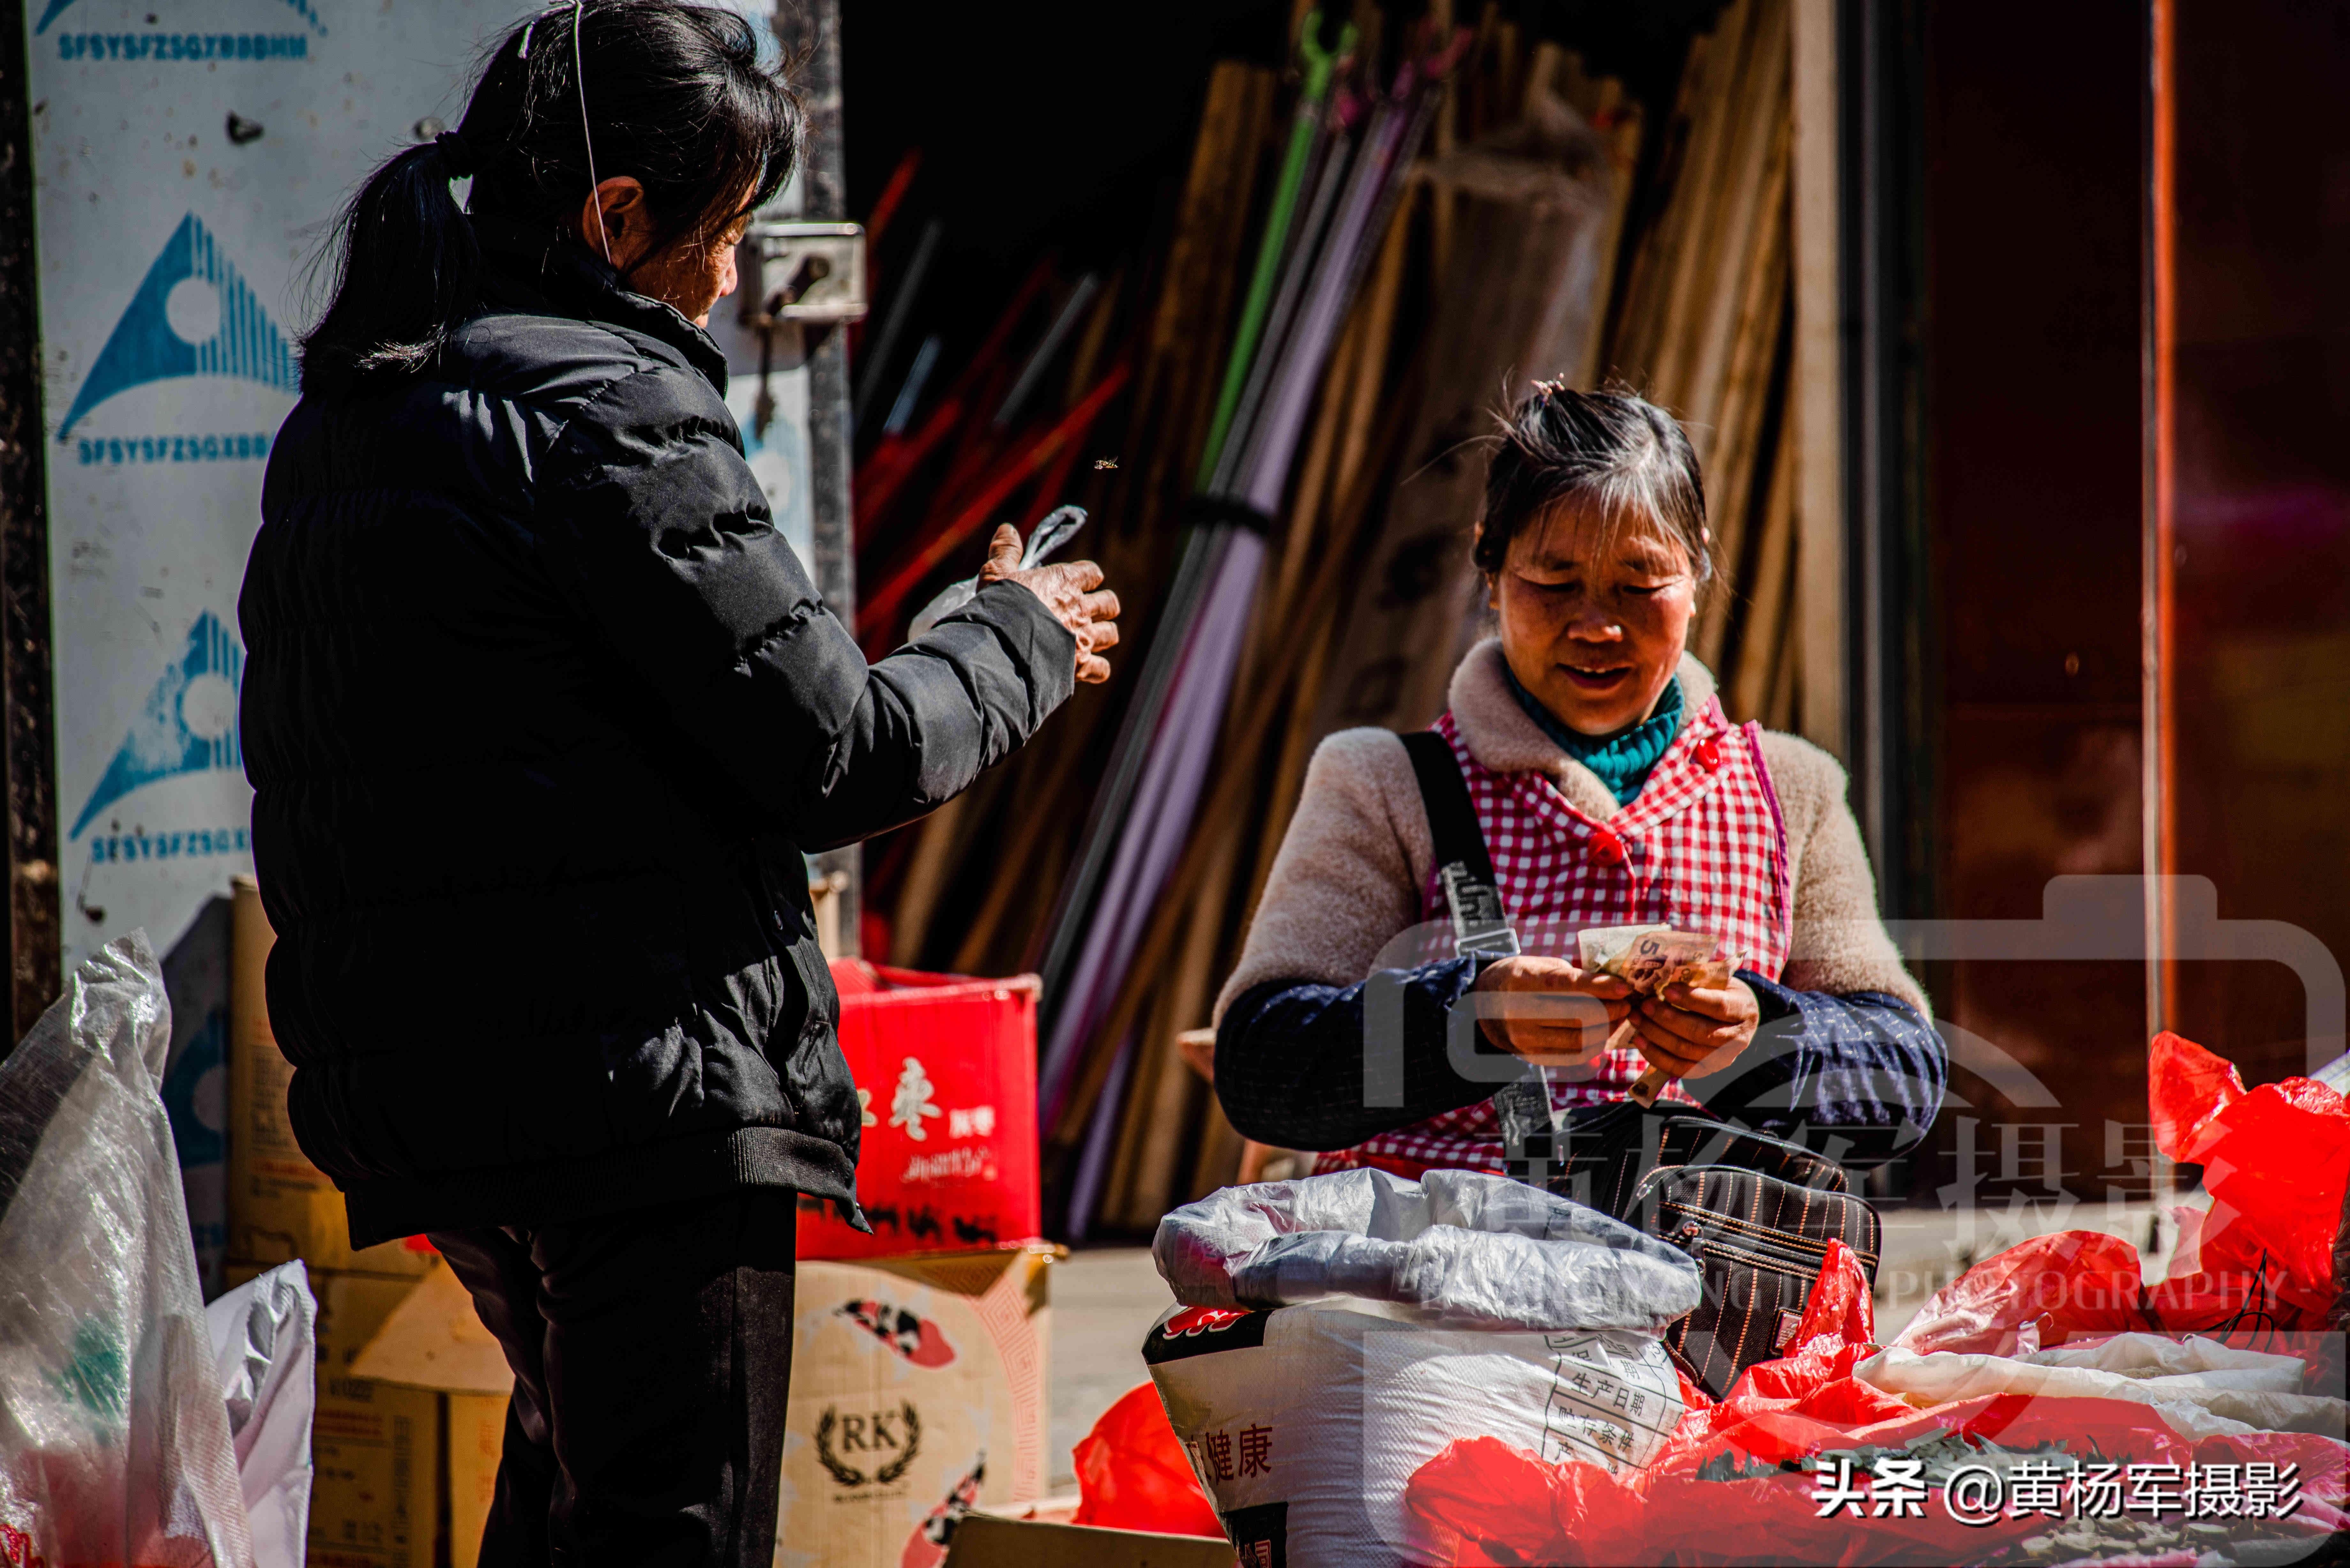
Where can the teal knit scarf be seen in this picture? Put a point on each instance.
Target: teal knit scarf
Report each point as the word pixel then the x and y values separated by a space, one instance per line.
pixel 1622 760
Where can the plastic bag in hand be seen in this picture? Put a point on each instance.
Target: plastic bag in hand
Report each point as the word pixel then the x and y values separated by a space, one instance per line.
pixel 1049 535
pixel 1460 1248
pixel 114 1442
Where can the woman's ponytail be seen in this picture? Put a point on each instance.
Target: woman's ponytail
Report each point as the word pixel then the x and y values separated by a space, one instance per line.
pixel 409 271
pixel 681 103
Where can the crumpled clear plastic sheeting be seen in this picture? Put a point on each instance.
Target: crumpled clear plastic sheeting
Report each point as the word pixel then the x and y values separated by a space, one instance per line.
pixel 265 1353
pixel 114 1442
pixel 2150 1356
pixel 2195 1404
pixel 1460 1248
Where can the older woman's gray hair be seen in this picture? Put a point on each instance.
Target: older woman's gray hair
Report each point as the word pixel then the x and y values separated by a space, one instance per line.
pixel 1613 455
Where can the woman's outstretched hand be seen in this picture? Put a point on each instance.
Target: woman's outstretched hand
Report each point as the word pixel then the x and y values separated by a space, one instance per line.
pixel 1072 590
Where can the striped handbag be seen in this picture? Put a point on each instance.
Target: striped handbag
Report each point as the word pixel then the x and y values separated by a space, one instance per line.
pixel 1756 1213
pixel 1759 1239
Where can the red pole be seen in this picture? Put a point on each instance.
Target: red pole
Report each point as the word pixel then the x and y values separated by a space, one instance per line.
pixel 1014 471
pixel 894 459
pixel 2159 641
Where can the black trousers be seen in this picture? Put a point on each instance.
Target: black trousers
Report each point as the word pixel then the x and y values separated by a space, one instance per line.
pixel 652 1352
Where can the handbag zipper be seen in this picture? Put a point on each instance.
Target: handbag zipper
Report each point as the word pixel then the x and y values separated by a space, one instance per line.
pixel 1695 1229
pixel 1794 1268
pixel 1792 1254
pixel 1763 1235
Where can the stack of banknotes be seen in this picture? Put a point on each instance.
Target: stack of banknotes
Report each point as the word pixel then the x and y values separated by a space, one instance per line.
pixel 1649 959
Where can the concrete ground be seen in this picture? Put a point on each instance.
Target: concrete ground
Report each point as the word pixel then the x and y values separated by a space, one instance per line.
pixel 1105 1299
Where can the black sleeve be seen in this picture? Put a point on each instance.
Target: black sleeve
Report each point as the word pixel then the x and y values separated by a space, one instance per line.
pixel 1858 1076
pixel 654 527
pixel 939 713
pixel 1292 1069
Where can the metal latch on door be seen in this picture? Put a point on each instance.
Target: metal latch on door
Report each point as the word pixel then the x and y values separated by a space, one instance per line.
pixel 807 272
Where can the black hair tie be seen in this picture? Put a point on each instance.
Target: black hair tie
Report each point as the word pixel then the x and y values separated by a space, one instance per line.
pixel 458 154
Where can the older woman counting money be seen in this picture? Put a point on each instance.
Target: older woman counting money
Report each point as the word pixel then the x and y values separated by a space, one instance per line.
pixel 1610 790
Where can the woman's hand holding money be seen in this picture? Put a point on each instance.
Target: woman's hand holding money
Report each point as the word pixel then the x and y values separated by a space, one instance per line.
pixel 1557 1011
pixel 1695 1032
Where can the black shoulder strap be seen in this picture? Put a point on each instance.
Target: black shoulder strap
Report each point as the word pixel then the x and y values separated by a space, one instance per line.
pixel 1480 922
pixel 1451 819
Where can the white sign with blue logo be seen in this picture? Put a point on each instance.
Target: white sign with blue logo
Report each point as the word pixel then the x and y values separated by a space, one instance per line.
pixel 190 155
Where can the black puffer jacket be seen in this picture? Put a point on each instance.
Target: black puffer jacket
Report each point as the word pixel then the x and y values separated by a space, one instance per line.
pixel 540 712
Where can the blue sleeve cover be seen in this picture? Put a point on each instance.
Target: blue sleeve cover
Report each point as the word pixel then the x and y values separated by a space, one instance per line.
pixel 1858 1076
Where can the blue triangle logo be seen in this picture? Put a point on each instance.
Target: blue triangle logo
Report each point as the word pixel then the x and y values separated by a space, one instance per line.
pixel 217 327
pixel 299 7
pixel 190 722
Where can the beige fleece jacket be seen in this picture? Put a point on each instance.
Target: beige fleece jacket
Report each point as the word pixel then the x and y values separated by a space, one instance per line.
pixel 1348 877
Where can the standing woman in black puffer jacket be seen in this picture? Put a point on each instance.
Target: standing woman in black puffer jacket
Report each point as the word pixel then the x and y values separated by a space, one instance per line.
pixel 541 712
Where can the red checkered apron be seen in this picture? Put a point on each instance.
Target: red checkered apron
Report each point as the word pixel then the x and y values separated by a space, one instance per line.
pixel 1702 847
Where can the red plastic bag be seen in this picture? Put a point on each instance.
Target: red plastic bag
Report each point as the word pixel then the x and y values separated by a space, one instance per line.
pixel 2277 1161
pixel 1795 1406
pixel 1596 1519
pixel 2186 1086
pixel 2233 1271
pixel 1480 1502
pixel 1132 1474
pixel 2070 1282
pixel 1791 1406
pixel 1841 1309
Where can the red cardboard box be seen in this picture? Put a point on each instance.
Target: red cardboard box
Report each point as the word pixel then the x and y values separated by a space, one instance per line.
pixel 947 1069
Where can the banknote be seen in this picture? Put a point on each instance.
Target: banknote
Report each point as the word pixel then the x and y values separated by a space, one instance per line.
pixel 1596 945
pixel 1650 957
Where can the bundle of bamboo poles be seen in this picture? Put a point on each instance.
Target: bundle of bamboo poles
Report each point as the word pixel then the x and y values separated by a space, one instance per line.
pixel 1348 161
pixel 1684 297
pixel 1705 328
pixel 1454 270
pixel 981 874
